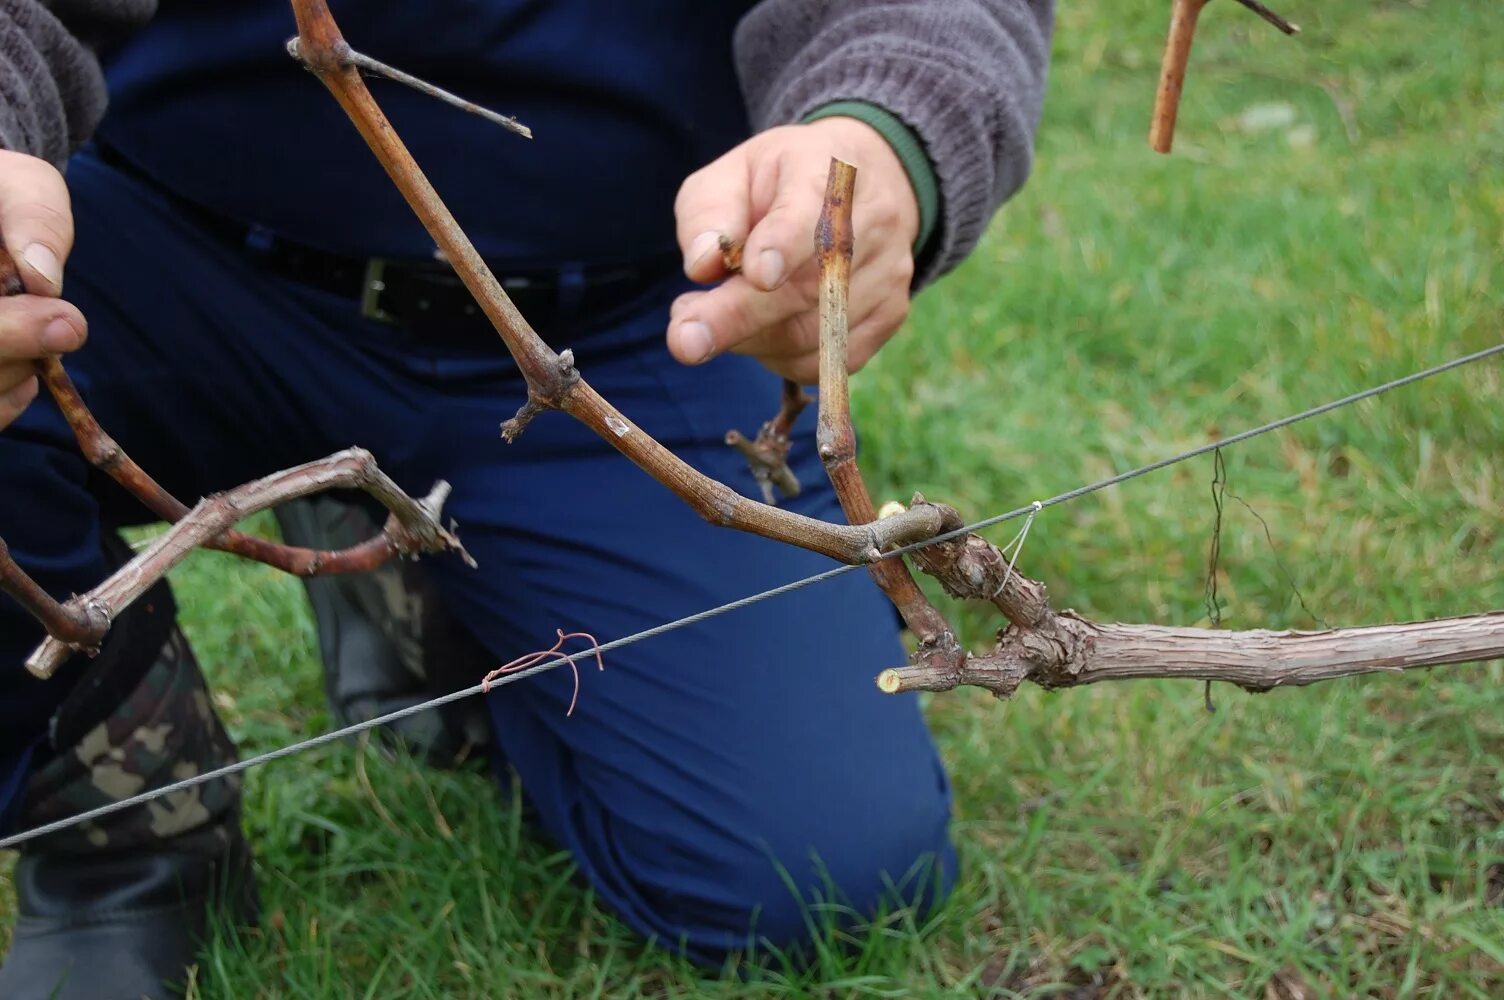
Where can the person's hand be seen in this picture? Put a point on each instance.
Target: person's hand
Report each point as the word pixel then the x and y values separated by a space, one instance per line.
pixel 36 226
pixel 768 192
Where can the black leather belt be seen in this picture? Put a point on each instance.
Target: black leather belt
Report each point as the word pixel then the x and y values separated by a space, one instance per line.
pixel 426 295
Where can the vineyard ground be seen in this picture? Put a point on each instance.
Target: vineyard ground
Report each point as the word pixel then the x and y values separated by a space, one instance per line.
pixel 1333 217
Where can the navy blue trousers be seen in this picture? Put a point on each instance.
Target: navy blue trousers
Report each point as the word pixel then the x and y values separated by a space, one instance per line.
pixel 712 782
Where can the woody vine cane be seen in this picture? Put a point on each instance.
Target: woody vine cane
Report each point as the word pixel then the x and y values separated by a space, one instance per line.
pixel 551 379
pixel 528 667
pixel 1051 648
pixel 81 622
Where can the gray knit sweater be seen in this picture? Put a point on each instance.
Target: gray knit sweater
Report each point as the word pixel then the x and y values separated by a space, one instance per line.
pixel 966 75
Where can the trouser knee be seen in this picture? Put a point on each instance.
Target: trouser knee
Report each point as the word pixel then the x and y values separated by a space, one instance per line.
pixel 748 897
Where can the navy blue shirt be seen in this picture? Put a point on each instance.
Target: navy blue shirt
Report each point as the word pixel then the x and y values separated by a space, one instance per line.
pixel 625 99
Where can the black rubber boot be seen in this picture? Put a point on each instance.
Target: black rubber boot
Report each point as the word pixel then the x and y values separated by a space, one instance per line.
pixel 119 907
pixel 121 926
pixel 387 641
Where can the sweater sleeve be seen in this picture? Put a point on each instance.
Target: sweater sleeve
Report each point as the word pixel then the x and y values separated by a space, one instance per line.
pixel 967 76
pixel 52 92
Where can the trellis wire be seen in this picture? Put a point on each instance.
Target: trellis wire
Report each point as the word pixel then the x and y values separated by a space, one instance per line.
pixel 694 619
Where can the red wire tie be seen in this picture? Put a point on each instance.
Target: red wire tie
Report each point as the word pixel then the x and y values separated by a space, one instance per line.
pixel 529 660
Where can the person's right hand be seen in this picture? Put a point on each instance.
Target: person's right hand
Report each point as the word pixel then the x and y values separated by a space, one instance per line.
pixel 36 227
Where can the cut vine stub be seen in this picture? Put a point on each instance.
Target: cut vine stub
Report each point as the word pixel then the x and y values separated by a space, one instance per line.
pixel 768 454
pixel 1184 15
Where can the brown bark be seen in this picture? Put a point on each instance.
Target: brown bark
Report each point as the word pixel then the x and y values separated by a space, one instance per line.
pixel 834 435
pixel 553 382
pixel 414 528
pixel 1184 15
pixel 767 454
pixel 1071 651
pixel 1061 649
pixel 80 626
pixel 105 454
pixel 973 569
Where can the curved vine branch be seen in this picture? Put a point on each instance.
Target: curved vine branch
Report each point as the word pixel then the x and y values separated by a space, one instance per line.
pixel 552 380
pixel 106 455
pixel 81 623
pixel 413 528
pixel 1040 645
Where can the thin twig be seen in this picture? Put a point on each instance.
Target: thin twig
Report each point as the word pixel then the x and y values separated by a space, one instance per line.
pixel 367 64
pixel 1284 570
pixel 1287 27
pixel 105 454
pixel 768 454
pixel 83 624
pixel 1183 17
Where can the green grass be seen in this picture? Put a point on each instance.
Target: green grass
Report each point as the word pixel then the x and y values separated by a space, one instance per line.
pixel 1118 840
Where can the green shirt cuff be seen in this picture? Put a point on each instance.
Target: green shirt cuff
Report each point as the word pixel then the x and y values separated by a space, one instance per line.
pixel 906 143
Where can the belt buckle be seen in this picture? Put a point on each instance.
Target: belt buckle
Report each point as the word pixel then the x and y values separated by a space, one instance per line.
pixel 371 286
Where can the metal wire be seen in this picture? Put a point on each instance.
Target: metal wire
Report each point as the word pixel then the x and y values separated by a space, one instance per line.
pixel 1212 446
pixel 694 619
pixel 402 713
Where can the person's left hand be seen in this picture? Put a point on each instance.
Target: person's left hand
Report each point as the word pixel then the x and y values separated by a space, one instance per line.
pixel 769 192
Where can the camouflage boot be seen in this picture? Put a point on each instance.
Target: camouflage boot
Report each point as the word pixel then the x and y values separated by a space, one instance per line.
pixel 386 640
pixel 119 907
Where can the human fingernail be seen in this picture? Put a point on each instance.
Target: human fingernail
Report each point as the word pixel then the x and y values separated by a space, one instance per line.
pixel 695 341
pixel 700 247
pixel 770 263
pixel 43 261
pixel 60 337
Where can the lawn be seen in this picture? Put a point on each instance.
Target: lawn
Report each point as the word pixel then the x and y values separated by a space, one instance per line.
pixel 1333 217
